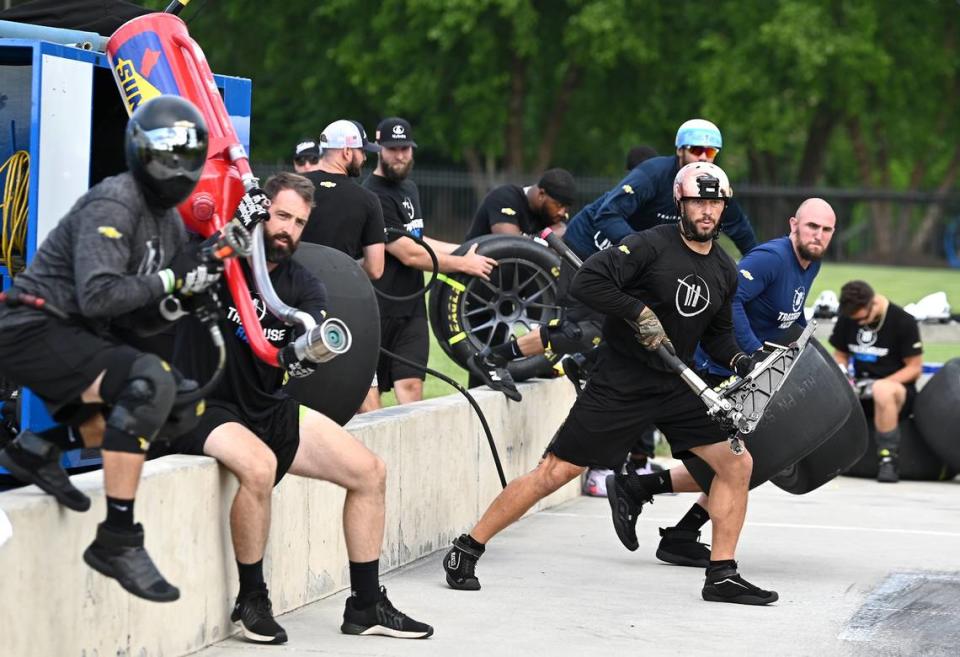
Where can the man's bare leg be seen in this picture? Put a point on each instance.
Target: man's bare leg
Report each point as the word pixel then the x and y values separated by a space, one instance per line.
pixel 408 390
pixel 888 399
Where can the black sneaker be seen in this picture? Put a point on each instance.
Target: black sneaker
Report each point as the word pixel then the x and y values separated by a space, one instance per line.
pixel 573 366
pixel 726 585
pixel 382 618
pixel 120 554
pixel 493 370
pixel 624 506
pixel 887 471
pixel 682 547
pixel 33 460
pixel 255 614
pixel 459 564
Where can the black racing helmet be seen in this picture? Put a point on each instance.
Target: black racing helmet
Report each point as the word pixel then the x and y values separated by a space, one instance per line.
pixel 166 148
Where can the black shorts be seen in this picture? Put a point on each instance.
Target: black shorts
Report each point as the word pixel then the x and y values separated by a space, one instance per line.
pixel 280 430
pixel 407 337
pixel 58 361
pixel 621 399
pixel 868 406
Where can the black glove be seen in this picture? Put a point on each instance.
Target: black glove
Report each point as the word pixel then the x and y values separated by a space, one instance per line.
pixel 296 368
pixel 742 364
pixel 190 272
pixel 252 208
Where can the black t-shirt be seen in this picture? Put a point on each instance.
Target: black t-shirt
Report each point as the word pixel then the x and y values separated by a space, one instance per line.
pixel 505 204
pixel 689 292
pixel 248 382
pixel 878 352
pixel 345 217
pixel 401 209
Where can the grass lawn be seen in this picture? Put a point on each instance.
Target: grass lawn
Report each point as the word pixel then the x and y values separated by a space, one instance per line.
pixel 902 285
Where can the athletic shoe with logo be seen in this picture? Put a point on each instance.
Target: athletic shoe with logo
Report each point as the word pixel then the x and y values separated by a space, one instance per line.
pixel 34 460
pixel 382 618
pixel 887 470
pixel 460 564
pixel 595 483
pixel 623 493
pixel 682 547
pixel 254 612
pixel 725 585
pixel 493 370
pixel 120 554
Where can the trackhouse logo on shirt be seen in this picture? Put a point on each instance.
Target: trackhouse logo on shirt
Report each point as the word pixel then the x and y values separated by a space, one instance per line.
pixel 693 295
pixel 798 296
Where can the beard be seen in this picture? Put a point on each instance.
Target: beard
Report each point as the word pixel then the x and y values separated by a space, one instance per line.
pixel 691 230
pixel 280 250
pixel 396 172
pixel 807 254
pixel 354 169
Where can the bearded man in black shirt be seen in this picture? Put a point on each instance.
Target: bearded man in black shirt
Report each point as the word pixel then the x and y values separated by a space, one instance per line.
pixel 403 324
pixel 669 284
pixel 259 433
pixel 881 341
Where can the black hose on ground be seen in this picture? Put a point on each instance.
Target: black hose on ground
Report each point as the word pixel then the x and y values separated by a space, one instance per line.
pixel 421 366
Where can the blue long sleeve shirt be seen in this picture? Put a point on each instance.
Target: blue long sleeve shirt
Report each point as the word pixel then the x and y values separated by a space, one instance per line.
pixel 771 291
pixel 644 199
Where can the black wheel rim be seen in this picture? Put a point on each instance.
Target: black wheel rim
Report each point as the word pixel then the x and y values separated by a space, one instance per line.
pixel 519 295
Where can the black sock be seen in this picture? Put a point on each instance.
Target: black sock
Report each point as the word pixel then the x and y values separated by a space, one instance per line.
pixel 473 543
pixel 695 518
pixel 251 577
pixel 723 563
pixel 365 582
pixel 658 482
pixel 61 436
pixel 509 350
pixel 119 513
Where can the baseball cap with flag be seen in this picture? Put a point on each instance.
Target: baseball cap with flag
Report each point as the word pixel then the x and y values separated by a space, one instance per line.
pixel 395 133
pixel 346 134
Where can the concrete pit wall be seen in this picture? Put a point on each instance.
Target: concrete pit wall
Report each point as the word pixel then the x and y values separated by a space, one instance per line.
pixel 440 478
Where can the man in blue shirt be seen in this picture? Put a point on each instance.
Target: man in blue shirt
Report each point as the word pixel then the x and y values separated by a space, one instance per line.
pixel 644 198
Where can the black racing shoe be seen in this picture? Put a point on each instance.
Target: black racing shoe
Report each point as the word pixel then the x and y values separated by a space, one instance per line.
pixel 887 468
pixel 120 554
pixel 460 564
pixel 573 366
pixel 682 547
pixel 493 370
pixel 255 614
pixel 725 585
pixel 382 618
pixel 623 491
pixel 34 460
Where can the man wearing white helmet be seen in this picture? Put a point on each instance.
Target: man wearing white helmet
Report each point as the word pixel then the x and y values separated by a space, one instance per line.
pixel 644 198
pixel 669 284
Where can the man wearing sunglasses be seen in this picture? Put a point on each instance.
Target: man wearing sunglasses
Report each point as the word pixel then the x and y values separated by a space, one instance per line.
pixel 644 198
pixel 882 343
pixel 345 216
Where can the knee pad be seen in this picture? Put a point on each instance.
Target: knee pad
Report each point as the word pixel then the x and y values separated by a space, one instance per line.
pixel 141 406
pixel 564 337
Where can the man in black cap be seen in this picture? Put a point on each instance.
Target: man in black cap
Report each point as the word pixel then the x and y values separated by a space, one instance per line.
pixel 515 210
pixel 403 323
pixel 306 155
pixel 345 216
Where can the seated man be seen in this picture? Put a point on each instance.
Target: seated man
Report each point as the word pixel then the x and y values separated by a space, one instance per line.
pixel 259 433
pixel 878 342
pixel 109 261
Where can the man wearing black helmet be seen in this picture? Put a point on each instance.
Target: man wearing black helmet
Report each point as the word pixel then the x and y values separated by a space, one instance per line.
pixel 119 251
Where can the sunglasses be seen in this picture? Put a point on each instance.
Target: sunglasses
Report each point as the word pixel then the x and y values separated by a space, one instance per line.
pixel 862 316
pixel 700 150
pixel 310 159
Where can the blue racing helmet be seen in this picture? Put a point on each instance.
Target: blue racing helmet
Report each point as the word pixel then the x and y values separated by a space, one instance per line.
pixel 698 132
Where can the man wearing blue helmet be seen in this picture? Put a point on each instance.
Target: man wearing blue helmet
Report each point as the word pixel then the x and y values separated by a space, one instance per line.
pixel 644 198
